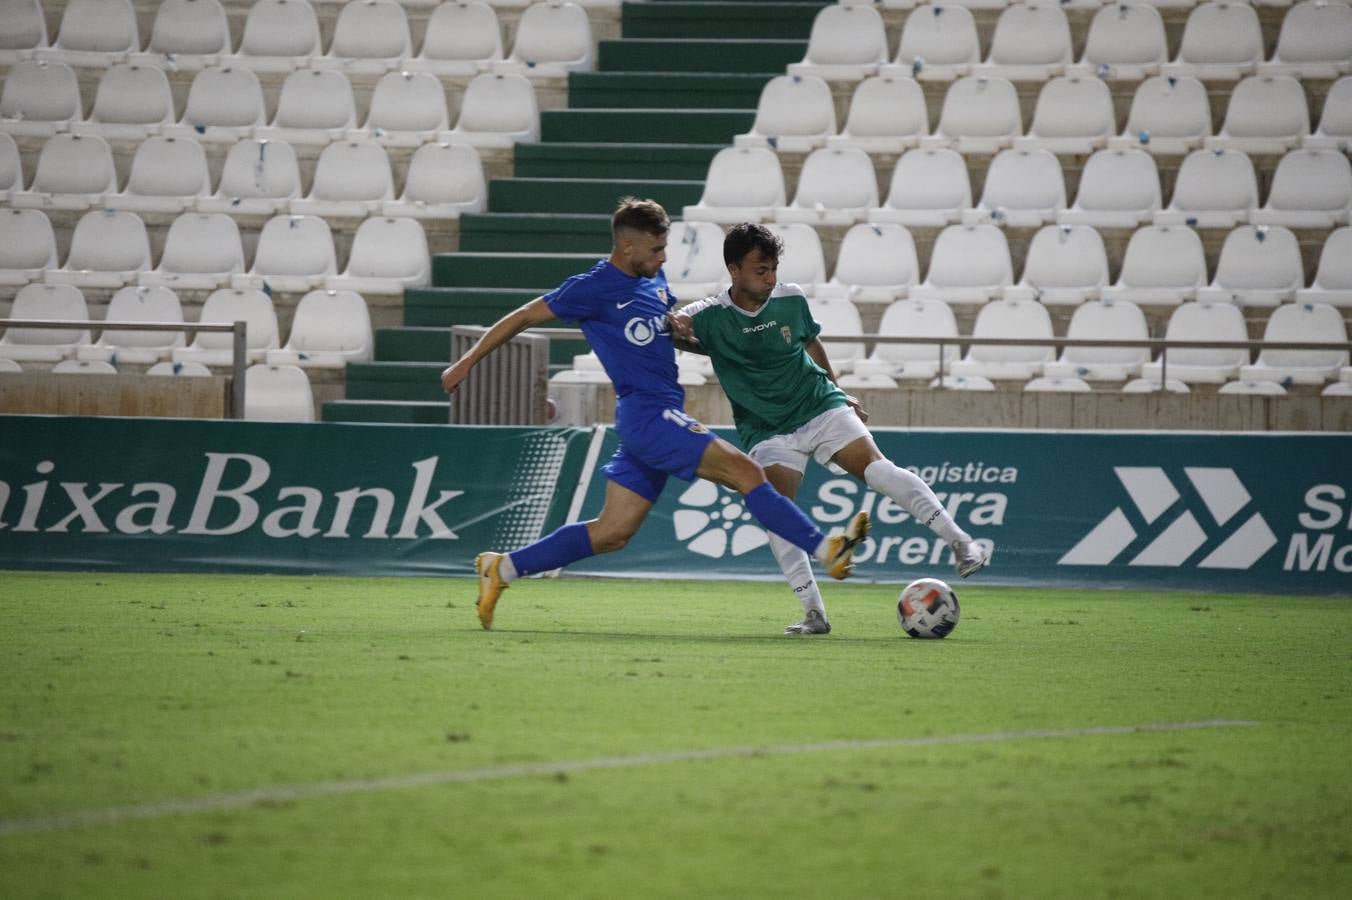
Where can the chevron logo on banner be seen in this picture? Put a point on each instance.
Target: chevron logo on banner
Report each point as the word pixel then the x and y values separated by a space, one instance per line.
pixel 1157 502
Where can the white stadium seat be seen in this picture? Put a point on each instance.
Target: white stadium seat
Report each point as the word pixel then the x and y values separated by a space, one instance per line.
pixel 803 262
pixel 1103 320
pixel 187 34
pixel 553 38
pixel 84 367
pixel 1057 384
pixel 497 111
pixel 278 394
pixel 1169 117
pixel 1259 266
pixel 295 253
pixel 370 36
pixel 795 114
pixel 9 365
pixel 743 184
pixel 168 175
pixel 1118 189
pixel 1252 388
pixel 938 43
pixel 1073 115
pixel 1008 319
pixel 330 329
pixel 39 99
pixel 279 35
pixel 132 102
pixel 694 266
pixel 1164 265
pixel 1149 386
pixel 259 178
pixel 1315 41
pixel 969 264
pixel 226 306
pixel 225 105
pixel 74 172
pixel 1267 114
pixel 916 318
pixel 837 186
pixel 1126 42
pixel 1031 43
pixel 45 301
pixel 27 246
pixel 1299 323
pixel 1335 124
pixel 1337 389
pixel 1066 265
pixel 1202 321
pixel 388 255
pixel 1333 280
pixel 408 109
pixel 1222 41
pixel 979 115
pixel 1214 189
pixel 315 107
pixel 352 178
pixel 202 251
pixel 23 29
pixel 930 188
pixel 11 165
pixel 887 115
pixel 839 319
pixel 137 304
pixel 461 39
pixel 877 263
pixel 963 383
pixel 847 43
pixel 108 249
pixel 1311 189
pixel 95 33
pixel 1023 188
pixel 183 369
pixel 443 181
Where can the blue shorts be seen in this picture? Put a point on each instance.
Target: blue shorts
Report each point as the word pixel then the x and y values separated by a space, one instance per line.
pixel 655 442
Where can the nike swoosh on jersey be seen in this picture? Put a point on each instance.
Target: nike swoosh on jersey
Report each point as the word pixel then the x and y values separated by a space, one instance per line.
pixel 627 302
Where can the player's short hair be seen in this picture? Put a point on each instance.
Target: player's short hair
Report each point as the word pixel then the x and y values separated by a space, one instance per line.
pixel 742 239
pixel 634 214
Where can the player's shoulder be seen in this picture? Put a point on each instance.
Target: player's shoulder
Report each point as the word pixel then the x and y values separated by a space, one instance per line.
pixel 714 302
pixel 787 290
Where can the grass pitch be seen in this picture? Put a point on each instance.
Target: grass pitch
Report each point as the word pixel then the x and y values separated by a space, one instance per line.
pixel 662 739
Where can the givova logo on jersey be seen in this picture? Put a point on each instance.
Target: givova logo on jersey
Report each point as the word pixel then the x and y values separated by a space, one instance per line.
pixel 1175 527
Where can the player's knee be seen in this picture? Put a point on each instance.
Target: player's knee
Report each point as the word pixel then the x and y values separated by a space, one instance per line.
pixel 606 538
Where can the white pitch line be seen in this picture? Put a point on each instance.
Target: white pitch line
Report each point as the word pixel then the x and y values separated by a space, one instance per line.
pixel 285 793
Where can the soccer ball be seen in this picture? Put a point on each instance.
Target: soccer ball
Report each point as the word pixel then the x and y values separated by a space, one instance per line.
pixel 928 608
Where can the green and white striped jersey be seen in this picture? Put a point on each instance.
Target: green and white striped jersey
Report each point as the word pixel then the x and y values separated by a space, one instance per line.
pixel 762 362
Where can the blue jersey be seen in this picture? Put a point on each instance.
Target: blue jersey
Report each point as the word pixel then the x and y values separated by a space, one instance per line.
pixel 624 318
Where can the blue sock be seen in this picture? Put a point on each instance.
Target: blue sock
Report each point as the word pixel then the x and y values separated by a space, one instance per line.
pixel 566 545
pixel 782 516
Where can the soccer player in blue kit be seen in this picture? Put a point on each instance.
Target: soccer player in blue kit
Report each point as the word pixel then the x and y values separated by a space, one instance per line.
pixel 621 304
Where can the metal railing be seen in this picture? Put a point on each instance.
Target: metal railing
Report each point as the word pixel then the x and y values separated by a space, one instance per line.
pixel 239 344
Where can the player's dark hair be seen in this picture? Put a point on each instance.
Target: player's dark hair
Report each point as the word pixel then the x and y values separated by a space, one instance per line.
pixel 634 214
pixel 742 239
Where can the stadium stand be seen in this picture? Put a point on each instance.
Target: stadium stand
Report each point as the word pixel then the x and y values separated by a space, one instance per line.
pixel 1118 189
pixel 132 103
pixel 969 264
pixel 1164 265
pixel 847 43
pixel 137 304
pixel 930 187
pixel 331 328
pixel 109 249
pixel 1074 115
pixel 837 186
pixel 1103 320
pixel 1333 280
pixel 253 307
pixel 744 183
pixel 552 39
pixel 887 114
pixel 27 246
pixel 877 263
pixel 980 115
pixel 1126 42
pixel 190 34
pixel 917 318
pixel 939 42
pixel 316 107
pixel 260 177
pixel 1300 322
pixel 38 97
pixel 1266 114
pixel 1031 43
pixel 1023 188
pixel 1202 321
pixel 1008 319
pixel 278 394
pixel 168 175
pixel 46 301
pixel 202 252
pixel 461 38
pixel 94 33
pixel 1260 265
pixel 795 114
pixel 1066 265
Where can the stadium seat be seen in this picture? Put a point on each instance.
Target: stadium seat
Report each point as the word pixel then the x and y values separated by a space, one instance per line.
pixel 979 115
pixel 279 35
pixel 39 99
pixel 187 34
pixel 1337 389
pixel 443 181
pixel 916 318
pixel 1103 320
pixel 184 369
pixel 1214 189
pixel 315 107
pixel 1252 388
pixel 370 37
pixel 836 187
pixel 1008 319
pixel 168 175
pixel 95 33
pixel 1333 280
pixel 259 178
pixel 847 43
pixel 226 306
pixel 938 43
pixel 137 304
pixel 694 266
pixel 23 29
pixel 278 394
pixel 131 103
pixel 1300 323
pixel 1066 265
pixel 1126 42
pixel 877 263
pixel 1073 115
pixel 330 329
pixel 963 383
pixel 11 165
pixel 795 114
pixel 1222 41
pixel 74 172
pixel 1153 386
pixel 744 184
pixel 1169 117
pixel 1260 265
pixel 27 246
pixel 839 319
pixel 45 301
pixel 1164 265
pixel 552 39
pixel 803 262
pixel 1057 384
pixel 1315 41
pixel 887 115
pixel 865 382
pixel 1335 125
pixel 1202 321
pixel 108 249
pixel 1024 188
pixel 1311 189
pixel 1118 189
pixel 295 254
pixel 461 39
pixel 388 255
pixel 9 365
pixel 352 178
pixel 408 109
pixel 930 188
pixel 225 105
pixel 1031 43
pixel 202 251
pixel 1267 114
pixel 498 110
pixel 84 367
pixel 969 264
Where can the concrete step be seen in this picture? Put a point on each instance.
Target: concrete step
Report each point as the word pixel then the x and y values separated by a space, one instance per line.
pixel 586 195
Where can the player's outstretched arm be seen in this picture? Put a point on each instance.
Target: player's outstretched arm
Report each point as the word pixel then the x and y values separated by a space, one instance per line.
pixel 817 350
pixel 536 312
pixel 683 333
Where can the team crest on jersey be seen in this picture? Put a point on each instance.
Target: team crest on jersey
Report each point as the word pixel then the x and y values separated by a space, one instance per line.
pixel 786 334
pixel 662 295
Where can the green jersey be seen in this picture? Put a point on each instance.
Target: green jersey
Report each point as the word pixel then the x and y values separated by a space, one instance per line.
pixel 762 362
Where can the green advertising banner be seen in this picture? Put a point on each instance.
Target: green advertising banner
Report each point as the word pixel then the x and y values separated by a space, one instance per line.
pixel 188 495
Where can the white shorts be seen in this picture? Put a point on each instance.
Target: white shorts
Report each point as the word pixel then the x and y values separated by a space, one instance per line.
pixel 820 437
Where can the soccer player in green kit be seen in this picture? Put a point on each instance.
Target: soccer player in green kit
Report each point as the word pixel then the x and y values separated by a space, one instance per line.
pixel 765 349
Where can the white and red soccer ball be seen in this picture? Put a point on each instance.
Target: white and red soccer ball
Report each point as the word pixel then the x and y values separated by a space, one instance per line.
pixel 928 608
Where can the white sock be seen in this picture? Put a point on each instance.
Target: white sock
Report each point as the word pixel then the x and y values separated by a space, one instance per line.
pixel 797 568
pixel 507 569
pixel 913 495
